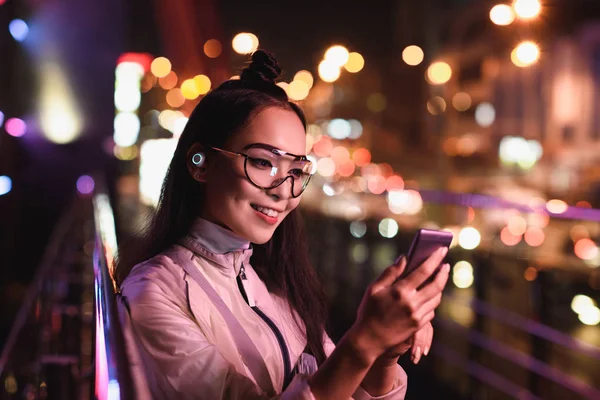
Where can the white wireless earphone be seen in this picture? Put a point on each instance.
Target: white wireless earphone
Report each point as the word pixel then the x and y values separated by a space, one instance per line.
pixel 198 159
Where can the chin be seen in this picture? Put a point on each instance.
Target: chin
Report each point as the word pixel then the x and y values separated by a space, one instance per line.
pixel 261 237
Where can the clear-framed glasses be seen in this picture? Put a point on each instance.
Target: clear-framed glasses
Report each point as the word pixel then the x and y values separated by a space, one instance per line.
pixel 267 167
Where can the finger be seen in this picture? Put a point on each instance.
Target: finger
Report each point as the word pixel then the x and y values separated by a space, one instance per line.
pixel 425 270
pixel 429 339
pixel 436 286
pixel 390 274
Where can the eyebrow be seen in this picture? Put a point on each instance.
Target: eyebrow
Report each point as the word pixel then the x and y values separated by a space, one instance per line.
pixel 269 147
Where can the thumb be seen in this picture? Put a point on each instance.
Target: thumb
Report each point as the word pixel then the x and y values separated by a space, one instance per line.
pixel 390 274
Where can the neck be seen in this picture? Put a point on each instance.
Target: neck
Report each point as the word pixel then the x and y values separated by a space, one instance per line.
pixel 216 238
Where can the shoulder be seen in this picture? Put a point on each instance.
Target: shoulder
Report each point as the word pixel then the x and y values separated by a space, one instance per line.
pixel 160 275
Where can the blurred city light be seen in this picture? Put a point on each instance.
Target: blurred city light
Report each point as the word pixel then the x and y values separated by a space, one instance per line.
pixel 519 151
pixel 328 189
pixel 337 55
pixel 527 9
pixel 556 206
pixel 439 73
pixel 85 184
pixel 15 127
pixel 359 252
pixel 189 89
pixel 394 183
pixel 485 114
pixel 580 302
pixel 404 201
pixel 323 146
pixel 298 90
pixel 1 118
pixel 125 153
pixel 155 157
pixel 388 228
pixel 213 48
pixel 304 76
pixel 160 67
pixel 361 157
pixel 586 249
pixel 175 98
pixel 579 232
pixel 355 62
pixel 202 83
pixel 502 14
pixel 179 126
pixel 530 274
pixel 339 128
pixel 525 54
pixel 412 55
pixel 310 141
pixel 590 316
pixel 356 129
pixel 245 43
pixel 326 167
pixel 517 225
pixel 534 236
pixel 328 71
pixel 469 238
pixel 340 154
pixel 18 29
pixel 376 102
pixel 436 105
pixel 462 274
pixel 376 184
pixel 168 82
pixel 461 101
pixel 127 129
pixel 5 185
pixel 508 238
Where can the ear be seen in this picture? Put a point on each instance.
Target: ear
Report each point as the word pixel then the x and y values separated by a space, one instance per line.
pixel 197 170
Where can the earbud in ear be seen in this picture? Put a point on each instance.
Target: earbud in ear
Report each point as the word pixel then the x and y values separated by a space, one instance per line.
pixel 198 159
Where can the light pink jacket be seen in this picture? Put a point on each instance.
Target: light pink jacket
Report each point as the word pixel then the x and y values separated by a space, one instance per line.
pixel 180 344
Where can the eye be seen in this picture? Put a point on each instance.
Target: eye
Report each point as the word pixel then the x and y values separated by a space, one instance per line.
pixel 297 173
pixel 260 162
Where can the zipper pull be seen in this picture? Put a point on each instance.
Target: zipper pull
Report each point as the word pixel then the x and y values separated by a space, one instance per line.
pixel 246 286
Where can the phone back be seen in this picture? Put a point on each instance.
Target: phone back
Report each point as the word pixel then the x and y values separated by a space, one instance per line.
pixel 424 244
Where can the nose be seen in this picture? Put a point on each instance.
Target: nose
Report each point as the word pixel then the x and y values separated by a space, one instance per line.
pixel 283 190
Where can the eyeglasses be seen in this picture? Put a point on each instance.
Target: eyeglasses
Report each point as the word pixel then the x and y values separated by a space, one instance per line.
pixel 267 167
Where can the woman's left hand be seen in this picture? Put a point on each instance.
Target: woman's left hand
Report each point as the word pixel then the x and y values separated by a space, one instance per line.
pixel 420 343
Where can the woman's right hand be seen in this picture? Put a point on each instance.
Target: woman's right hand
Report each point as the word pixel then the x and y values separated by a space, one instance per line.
pixel 392 310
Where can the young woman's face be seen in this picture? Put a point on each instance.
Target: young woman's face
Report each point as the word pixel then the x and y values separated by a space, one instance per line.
pixel 232 200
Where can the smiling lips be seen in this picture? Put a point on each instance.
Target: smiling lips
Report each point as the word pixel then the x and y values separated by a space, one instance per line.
pixel 268 214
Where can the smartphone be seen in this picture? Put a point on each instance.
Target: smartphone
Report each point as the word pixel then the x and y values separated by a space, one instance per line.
pixel 424 244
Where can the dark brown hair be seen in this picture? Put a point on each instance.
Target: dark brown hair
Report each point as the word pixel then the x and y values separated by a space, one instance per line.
pixel 283 262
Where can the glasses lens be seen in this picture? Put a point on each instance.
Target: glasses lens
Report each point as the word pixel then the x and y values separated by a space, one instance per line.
pixel 267 170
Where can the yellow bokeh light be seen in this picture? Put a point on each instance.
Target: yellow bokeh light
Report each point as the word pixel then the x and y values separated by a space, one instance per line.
pixel 244 43
pixel 413 55
pixel 355 63
pixel 189 89
pixel 202 83
pixel 527 9
pixel 160 67
pixel 502 14
pixel 213 48
pixel 376 102
pixel 337 55
pixel 298 90
pixel 438 73
pixel 305 76
pixel 556 206
pixel 175 98
pixel 328 71
pixel 525 54
pixel 461 101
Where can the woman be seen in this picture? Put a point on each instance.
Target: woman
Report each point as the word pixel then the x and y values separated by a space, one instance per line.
pixel 223 302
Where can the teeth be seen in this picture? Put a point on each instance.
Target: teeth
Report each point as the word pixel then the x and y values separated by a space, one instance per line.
pixel 266 211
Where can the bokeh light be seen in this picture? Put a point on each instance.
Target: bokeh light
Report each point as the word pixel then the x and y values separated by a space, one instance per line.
pixel 388 228
pixel 213 48
pixel 326 167
pixel 517 225
pixel 306 77
pixel 361 157
pixel 436 105
pixel 527 9
pixel 580 302
pixel 376 102
pixel 579 232
pixel 189 89
pixel 5 185
pixel 168 82
pixel 355 62
pixel 202 83
pixel 127 129
pixel 525 54
pixel 298 90
pixel 534 236
pixel 175 98
pixel 469 238
pixel 356 129
pixel 1 118
pixel 461 101
pixel 15 127
pixel 358 229
pixel 485 114
pixel 394 182
pixel 502 14
pixel 508 238
pixel 245 43
pixel 85 184
pixel 413 55
pixel 556 206
pixel 18 29
pixel 160 67
pixel 439 73
pixel 323 146
pixel 337 55
pixel 328 71
pixel 530 274
pixel 407 202
pixel 462 274
pixel 586 249
pixel 339 128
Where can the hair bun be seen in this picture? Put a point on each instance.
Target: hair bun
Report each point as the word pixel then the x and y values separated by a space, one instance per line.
pixel 262 69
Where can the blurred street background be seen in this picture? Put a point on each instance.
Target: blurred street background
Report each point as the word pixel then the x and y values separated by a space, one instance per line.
pixel 481 117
